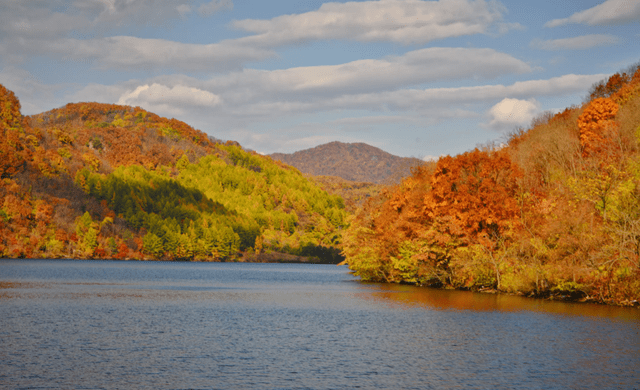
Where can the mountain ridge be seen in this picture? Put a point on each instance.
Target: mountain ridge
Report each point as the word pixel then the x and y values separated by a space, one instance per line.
pixel 358 162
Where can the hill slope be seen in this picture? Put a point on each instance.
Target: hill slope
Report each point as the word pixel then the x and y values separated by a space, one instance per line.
pixel 93 180
pixel 357 162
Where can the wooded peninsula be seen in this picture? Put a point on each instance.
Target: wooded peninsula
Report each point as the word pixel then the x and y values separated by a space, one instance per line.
pixel 553 211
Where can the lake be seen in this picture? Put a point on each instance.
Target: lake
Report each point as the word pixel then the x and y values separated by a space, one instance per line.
pixel 175 325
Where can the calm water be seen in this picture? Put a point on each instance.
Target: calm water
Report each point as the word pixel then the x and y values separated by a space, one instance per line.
pixel 108 324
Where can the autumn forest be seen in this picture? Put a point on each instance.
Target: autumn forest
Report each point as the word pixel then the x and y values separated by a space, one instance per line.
pixel 552 211
pixel 100 181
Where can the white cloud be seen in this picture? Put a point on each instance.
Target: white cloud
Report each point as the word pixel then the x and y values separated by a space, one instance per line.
pixel 47 32
pixel 157 97
pixel 429 158
pixel 265 102
pixel 509 113
pixel 390 73
pixel 403 21
pixel 29 28
pixel 575 43
pixel 435 99
pixel 126 52
pixel 137 52
pixel 57 18
pixel 42 29
pixel 419 66
pixel 183 10
pixel 214 6
pixel 432 104
pixel 610 12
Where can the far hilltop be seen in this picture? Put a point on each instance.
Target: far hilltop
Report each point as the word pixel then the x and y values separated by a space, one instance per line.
pixel 351 161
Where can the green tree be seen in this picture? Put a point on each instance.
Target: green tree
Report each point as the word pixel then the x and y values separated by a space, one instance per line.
pixel 153 245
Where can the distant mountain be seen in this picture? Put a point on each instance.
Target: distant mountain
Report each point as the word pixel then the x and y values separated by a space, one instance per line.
pixel 351 161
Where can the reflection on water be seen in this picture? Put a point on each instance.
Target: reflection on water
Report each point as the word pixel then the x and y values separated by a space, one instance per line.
pixel 108 324
pixel 450 299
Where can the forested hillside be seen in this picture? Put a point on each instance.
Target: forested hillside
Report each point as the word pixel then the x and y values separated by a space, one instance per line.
pixel 356 162
pixel 95 180
pixel 554 212
pixel 354 193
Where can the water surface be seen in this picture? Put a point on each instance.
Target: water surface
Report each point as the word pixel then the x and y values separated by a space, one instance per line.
pixel 110 324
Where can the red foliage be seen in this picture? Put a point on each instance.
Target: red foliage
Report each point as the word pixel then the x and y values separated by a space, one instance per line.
pixel 475 193
pixel 99 252
pixel 61 235
pixel 123 251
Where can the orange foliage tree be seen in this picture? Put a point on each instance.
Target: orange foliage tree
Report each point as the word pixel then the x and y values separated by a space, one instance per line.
pixel 13 151
pixel 475 193
pixel 613 85
pixel 596 125
pixel 413 231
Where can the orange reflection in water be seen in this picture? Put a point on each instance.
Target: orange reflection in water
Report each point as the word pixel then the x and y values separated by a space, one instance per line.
pixel 439 299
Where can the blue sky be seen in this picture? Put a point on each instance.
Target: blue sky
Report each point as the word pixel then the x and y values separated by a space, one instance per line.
pixel 415 78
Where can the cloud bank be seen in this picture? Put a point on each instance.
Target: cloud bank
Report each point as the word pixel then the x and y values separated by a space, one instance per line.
pixel 401 21
pixel 611 12
pixel 575 43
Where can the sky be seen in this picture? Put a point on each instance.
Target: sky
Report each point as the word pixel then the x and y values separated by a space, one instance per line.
pixel 414 78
